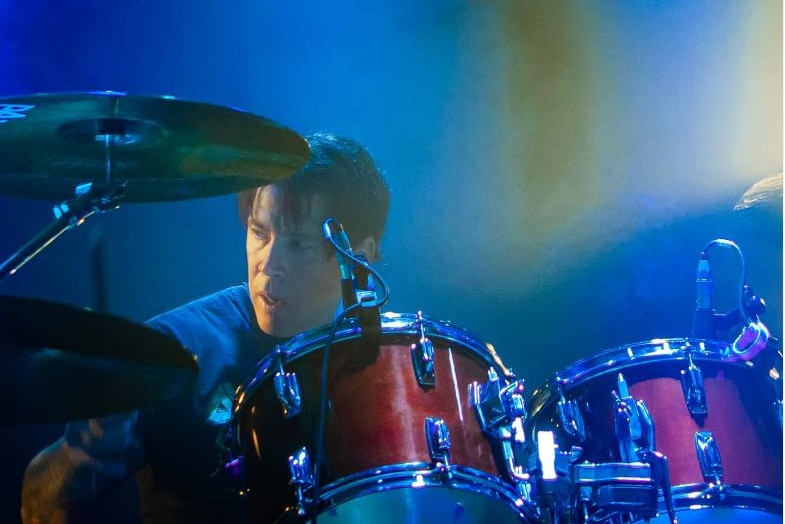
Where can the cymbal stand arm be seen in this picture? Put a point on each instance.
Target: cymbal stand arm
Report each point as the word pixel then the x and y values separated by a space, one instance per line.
pixel 68 214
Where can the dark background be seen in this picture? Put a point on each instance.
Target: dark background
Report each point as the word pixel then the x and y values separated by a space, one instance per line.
pixel 555 167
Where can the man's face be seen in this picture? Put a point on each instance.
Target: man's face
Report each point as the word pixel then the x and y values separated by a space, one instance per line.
pixel 294 282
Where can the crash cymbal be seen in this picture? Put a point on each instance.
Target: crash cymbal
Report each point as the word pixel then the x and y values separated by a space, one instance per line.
pixel 61 363
pixel 162 147
pixel 765 193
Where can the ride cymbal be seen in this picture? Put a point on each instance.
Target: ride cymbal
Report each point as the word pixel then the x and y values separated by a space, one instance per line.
pixel 162 148
pixel 61 363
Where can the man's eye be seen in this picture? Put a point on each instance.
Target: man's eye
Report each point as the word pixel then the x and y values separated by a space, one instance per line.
pixel 301 244
pixel 260 234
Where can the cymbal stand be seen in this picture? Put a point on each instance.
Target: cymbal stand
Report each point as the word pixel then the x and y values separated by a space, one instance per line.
pixel 90 198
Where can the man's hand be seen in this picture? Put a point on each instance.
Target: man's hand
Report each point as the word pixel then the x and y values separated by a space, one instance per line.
pixel 63 481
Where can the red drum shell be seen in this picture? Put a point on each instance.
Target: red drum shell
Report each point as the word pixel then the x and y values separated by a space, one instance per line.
pixel 376 412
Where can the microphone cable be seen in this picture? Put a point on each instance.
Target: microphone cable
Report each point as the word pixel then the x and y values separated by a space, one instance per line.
pixel 345 314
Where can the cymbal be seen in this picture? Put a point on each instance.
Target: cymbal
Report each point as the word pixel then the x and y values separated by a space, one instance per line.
pixel 163 148
pixel 61 363
pixel 765 193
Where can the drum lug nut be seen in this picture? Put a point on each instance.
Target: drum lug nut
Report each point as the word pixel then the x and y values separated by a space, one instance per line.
pixel 694 392
pixel 570 417
pixel 634 425
pixel 709 457
pixel 437 434
pixel 423 356
pixel 301 477
pixel 287 390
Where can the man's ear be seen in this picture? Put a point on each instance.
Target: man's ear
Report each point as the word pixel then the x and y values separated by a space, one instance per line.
pixel 369 248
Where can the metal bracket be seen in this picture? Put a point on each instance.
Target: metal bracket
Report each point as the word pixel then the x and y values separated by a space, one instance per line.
pixel 287 390
pixel 501 411
pixel 301 477
pixel 634 425
pixel 693 389
pixel 423 356
pixel 437 436
pixel 709 457
pixel 570 417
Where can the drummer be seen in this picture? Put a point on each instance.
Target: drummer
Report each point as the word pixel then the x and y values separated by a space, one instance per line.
pixel 293 286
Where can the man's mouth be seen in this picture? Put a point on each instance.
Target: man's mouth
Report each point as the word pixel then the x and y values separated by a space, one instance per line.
pixel 270 303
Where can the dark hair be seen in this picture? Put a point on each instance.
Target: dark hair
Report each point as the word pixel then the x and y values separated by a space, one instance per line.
pixel 344 174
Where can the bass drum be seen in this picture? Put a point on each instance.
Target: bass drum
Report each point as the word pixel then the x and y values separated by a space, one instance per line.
pixel 387 416
pixel 742 423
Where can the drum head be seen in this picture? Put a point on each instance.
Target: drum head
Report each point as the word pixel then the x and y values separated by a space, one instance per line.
pixel 417 493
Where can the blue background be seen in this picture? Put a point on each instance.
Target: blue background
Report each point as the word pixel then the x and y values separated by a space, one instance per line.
pixel 555 167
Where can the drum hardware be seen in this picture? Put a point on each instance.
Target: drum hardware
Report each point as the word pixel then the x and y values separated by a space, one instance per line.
pixel 422 356
pixel 302 477
pixel 88 200
pixel 60 363
pixel 287 389
pixel 234 469
pixel 549 473
pixel 602 491
pixel 501 412
pixel 636 438
pixel 633 423
pixel 662 478
pixel 694 390
pixel 437 434
pixel 709 457
pixel 570 415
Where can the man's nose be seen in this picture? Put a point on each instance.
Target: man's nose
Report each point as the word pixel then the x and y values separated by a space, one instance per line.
pixel 272 260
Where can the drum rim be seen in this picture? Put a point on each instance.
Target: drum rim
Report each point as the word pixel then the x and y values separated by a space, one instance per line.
pixel 350 329
pixel 699 496
pixel 628 355
pixel 400 476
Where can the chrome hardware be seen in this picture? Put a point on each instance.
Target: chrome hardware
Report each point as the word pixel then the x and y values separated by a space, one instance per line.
pixel 234 470
pixel 634 425
pixel 422 356
pixel 694 392
pixel 661 474
pixel 301 477
pixel 546 453
pixel 438 437
pixel 495 405
pixel 487 403
pixel 287 390
pixel 501 412
pixel 587 473
pixel 709 457
pixel 570 417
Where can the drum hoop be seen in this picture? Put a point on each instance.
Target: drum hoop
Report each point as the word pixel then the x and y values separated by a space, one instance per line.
pixel 417 475
pixel 629 355
pixel 392 323
pixel 731 496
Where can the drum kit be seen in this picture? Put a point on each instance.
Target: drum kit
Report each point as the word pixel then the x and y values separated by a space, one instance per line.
pixel 411 419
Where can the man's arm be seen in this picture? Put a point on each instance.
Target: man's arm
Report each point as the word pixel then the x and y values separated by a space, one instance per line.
pixel 64 481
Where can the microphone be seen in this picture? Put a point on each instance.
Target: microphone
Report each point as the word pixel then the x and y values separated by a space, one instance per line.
pixel 345 264
pixel 703 321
